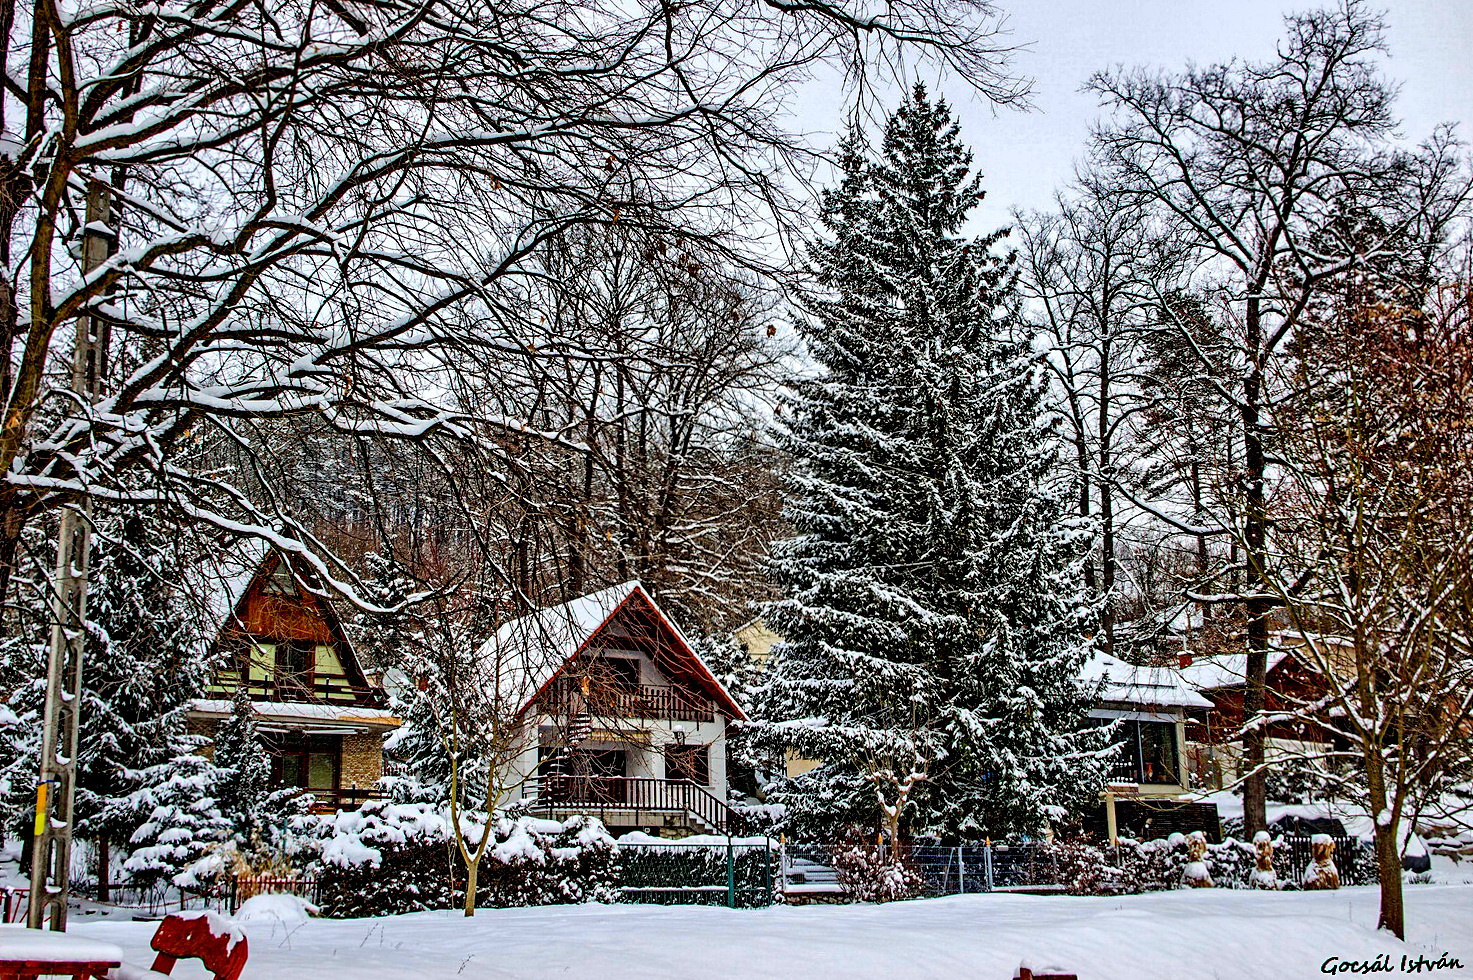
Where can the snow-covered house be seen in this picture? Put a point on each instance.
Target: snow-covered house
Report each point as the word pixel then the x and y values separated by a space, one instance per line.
pixel 322 719
pixel 629 722
pixel 1293 679
pixel 1148 788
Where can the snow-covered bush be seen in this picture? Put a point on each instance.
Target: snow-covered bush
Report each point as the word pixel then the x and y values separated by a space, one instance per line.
pixel 387 858
pixel 379 859
pixel 873 874
pixel 549 862
pixel 1086 868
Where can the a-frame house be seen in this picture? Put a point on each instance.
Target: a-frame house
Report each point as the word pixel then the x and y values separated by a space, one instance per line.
pixel 323 720
pixel 648 717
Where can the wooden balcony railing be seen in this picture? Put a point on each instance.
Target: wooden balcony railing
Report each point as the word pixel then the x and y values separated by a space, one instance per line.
pixel 634 793
pixel 333 800
pixel 619 701
pixel 322 690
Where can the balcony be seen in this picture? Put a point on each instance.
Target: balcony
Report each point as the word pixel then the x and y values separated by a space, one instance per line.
pixel 627 701
pixel 595 794
pixel 300 690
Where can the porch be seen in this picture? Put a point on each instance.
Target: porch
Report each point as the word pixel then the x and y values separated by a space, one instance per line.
pixel 628 799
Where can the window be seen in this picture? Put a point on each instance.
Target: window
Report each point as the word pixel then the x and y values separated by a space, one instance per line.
pixel 310 762
pixel 280 582
pixel 1148 753
pixel 691 762
pixel 294 663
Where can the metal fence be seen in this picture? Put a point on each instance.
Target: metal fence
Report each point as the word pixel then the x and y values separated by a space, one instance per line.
pixel 737 873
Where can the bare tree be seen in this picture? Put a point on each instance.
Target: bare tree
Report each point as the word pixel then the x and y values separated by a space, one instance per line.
pixel 1375 543
pixel 1091 277
pixel 1245 161
pixel 324 209
pixel 660 366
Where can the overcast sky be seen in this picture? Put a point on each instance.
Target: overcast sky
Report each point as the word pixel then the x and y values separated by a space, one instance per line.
pixel 1025 156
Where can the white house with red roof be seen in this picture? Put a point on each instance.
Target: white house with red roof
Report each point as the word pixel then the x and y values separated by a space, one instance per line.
pixel 631 722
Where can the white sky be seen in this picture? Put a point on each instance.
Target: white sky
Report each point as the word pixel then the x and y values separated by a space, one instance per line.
pixel 1026 156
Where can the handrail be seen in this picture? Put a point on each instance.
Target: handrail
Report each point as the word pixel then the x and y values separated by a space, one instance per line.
pixel 616 701
pixel 320 691
pixel 635 793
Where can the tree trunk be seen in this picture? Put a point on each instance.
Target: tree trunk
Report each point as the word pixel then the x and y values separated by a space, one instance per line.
pixel 471 868
pixel 1255 802
pixel 1388 870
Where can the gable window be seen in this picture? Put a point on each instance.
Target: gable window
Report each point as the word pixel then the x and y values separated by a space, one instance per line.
pixel 280 582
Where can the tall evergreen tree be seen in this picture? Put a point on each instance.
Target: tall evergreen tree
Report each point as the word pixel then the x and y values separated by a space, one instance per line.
pixel 935 618
pixel 145 661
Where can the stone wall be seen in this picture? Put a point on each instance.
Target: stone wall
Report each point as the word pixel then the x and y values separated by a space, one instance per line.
pixel 363 760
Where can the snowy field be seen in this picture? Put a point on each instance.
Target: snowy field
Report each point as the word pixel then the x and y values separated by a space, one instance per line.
pixel 1179 934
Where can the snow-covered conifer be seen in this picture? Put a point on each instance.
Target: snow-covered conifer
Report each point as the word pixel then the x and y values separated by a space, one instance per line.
pixel 144 663
pixel 935 619
pixel 245 774
pixel 180 827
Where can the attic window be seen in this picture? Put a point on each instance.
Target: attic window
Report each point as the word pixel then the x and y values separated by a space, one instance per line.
pixel 281 581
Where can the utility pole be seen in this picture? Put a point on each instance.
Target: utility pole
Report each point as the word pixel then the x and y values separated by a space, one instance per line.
pixel 51 850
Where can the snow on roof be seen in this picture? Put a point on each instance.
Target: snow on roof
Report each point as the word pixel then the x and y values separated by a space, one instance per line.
pixel 1224 670
pixel 1130 684
pixel 331 714
pixel 220 582
pixel 525 653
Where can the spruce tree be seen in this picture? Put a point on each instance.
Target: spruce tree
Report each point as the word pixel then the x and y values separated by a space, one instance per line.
pixel 145 662
pixel 242 790
pixel 181 831
pixel 934 616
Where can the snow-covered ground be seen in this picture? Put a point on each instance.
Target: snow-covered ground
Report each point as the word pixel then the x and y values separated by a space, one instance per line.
pixel 1180 934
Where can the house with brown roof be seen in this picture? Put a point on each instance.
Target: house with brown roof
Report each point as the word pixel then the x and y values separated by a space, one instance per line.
pixel 322 718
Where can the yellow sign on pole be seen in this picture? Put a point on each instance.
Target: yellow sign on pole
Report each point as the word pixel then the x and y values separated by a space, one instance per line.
pixel 43 791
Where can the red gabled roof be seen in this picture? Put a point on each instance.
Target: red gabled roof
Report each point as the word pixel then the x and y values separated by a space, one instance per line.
pixel 535 650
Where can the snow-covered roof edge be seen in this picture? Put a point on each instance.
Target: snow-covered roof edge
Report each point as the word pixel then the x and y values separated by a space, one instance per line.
pixel 546 640
pixel 1128 683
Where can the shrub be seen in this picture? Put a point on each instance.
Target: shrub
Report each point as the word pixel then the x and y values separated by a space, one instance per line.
pixel 387 858
pixel 874 874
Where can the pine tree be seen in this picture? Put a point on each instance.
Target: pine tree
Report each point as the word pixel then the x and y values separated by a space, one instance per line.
pixel 181 832
pixel 934 618
pixel 145 661
pixel 242 791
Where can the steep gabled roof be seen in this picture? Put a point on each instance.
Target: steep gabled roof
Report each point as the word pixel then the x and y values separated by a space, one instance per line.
pixel 232 591
pixel 527 653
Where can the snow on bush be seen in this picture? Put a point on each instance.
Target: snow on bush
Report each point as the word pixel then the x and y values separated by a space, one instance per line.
pixel 388 858
pixel 1086 868
pixel 874 874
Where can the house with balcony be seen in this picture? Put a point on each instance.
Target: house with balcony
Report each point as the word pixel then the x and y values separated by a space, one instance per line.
pixel 322 718
pixel 623 720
